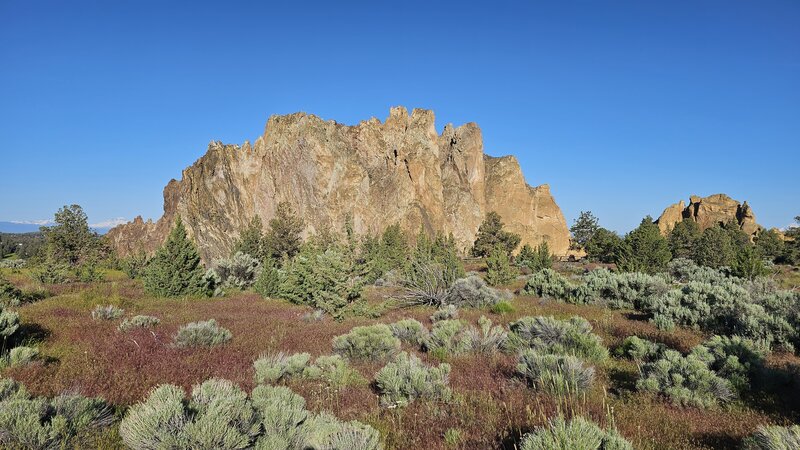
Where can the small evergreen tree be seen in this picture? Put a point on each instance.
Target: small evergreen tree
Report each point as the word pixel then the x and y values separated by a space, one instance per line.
pixel 791 252
pixel 440 251
pixel 394 247
pixel 770 244
pixel 70 240
pixel 176 270
pixel 491 235
pixel 644 249
pixel 322 280
pixel 535 260
pixel 284 236
pixel 714 248
pixel 683 238
pixel 251 240
pixel 268 283
pixel 499 268
pixel 749 263
pixel 585 226
pixel 603 246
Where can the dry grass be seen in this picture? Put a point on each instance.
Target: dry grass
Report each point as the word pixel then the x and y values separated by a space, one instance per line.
pixel 491 408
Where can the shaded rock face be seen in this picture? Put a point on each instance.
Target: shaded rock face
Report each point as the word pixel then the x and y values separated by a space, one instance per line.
pixel 709 211
pixel 399 171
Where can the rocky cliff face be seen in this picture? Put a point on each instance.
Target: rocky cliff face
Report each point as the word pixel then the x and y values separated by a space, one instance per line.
pixel 400 171
pixel 709 211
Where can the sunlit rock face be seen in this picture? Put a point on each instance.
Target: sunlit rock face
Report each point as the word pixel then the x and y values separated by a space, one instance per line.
pixel 380 173
pixel 709 211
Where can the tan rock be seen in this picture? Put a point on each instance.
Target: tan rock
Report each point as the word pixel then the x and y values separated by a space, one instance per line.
pixel 398 171
pixel 708 211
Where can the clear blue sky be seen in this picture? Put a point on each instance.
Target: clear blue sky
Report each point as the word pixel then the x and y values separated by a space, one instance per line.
pixel 622 107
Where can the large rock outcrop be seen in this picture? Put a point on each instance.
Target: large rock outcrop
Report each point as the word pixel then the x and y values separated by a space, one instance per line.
pixel 399 171
pixel 709 211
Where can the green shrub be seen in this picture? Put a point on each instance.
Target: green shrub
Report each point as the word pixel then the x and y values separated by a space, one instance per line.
pixel 685 380
pixel 313 316
pixel 448 337
pixel 685 270
pixel 427 284
pixel 774 437
pixel 502 308
pixel 406 379
pixel 41 423
pixel 640 350
pixel 714 248
pixel 176 270
pixel 548 283
pixel 134 265
pixel 373 342
pixel 561 337
pixel 621 290
pixel 473 292
pixel 333 370
pixel 604 246
pixel 727 307
pixel 452 437
pixel 89 272
pixel 489 339
pixel 19 356
pixel 139 321
pixel 239 272
pixel 12 263
pixel 108 312
pixel 410 331
pixel 9 324
pixel 9 294
pixel 441 252
pixel 499 268
pixel 732 357
pixel 491 236
pixel 321 280
pixel 51 272
pixel 577 434
pixel 276 367
pixel 202 334
pixel 268 283
pixel 282 412
pixel 535 260
pixel 644 249
pixel 448 312
pixel 218 415
pixel 554 374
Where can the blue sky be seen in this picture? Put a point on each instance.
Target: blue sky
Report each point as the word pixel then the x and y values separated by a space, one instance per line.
pixel 622 107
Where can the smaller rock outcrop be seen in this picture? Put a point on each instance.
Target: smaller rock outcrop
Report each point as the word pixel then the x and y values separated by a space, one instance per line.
pixel 709 211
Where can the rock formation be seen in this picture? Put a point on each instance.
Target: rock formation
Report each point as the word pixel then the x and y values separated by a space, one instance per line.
pixel 709 211
pixel 399 171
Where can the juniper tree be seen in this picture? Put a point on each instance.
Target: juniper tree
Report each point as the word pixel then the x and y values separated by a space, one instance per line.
pixel 70 240
pixel 644 249
pixel 176 270
pixel 499 268
pixel 585 226
pixel 770 244
pixel 491 235
pixel 537 259
pixel 683 238
pixel 603 246
pixel 714 248
pixel 251 240
pixel 284 236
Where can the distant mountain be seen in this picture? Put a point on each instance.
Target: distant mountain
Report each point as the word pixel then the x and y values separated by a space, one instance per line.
pixel 14 227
